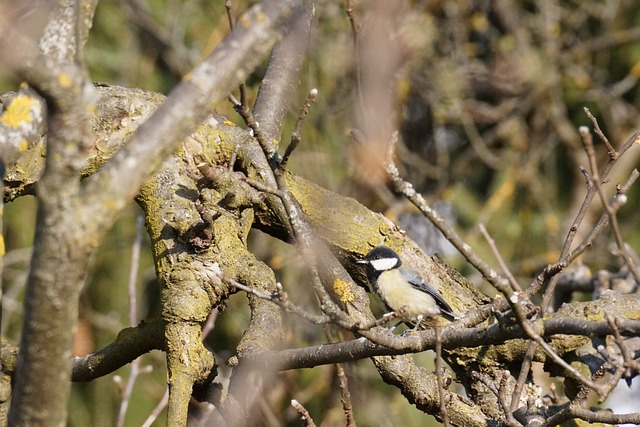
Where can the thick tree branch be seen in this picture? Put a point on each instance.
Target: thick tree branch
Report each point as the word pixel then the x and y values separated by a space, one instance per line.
pixel 58 266
pixel 72 221
pixel 130 344
pixel 452 338
pixel 280 83
pixel 185 108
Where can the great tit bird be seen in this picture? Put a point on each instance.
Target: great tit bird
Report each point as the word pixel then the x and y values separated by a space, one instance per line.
pixel 396 287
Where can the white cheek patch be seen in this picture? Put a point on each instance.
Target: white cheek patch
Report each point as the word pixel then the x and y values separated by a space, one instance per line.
pixel 384 264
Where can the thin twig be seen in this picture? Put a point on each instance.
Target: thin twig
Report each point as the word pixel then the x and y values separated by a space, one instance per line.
pixel 332 317
pixel 612 208
pixel 345 397
pixel 156 411
pixel 531 332
pixel 492 244
pixel 280 298
pixel 439 371
pixel 613 154
pixel 133 319
pixel 242 104
pixel 355 32
pixel 566 254
pixel 245 112
pixel 525 367
pixel 574 410
pixel 386 318
pixel 295 135
pixel 303 235
pixel 504 397
pixel 629 362
pixel 210 323
pixel 261 186
pixel 489 383
pixel 499 394
pixel 133 272
pixel 526 363
pixel 416 198
pixel 227 6
pixel 621 364
pixel 304 414
pixel 518 303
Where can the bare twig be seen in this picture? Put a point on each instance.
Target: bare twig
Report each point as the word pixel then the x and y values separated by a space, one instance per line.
pixel 613 154
pixel 245 112
pixel 567 255
pixel 500 393
pixel 628 366
pixel 210 323
pixel 133 319
pixel 280 82
pixel 304 414
pixel 618 200
pixel 355 32
pixel 487 382
pixel 171 51
pixel 414 197
pixel 531 332
pixel 261 186
pixel 240 106
pixel 601 417
pixel 133 272
pixel 339 318
pixel 157 410
pixel 525 367
pixel 504 396
pixel 280 297
pixel 526 364
pixel 345 397
pixel 492 244
pixel 439 372
pixel 386 318
pixel 295 135
pixel 227 6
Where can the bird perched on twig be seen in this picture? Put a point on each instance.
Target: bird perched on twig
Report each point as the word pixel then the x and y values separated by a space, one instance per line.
pixel 401 289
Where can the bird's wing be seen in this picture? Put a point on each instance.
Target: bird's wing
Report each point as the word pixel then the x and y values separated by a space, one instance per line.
pixel 418 282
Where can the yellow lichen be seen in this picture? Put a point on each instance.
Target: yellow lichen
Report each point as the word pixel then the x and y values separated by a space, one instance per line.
pixel 64 80
pixel 2 246
pixel 229 123
pixel 18 112
pixel 245 21
pixel 343 291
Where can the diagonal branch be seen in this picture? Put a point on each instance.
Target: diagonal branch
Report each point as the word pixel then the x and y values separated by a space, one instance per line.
pixel 185 107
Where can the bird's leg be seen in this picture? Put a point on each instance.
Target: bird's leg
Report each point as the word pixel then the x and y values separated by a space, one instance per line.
pixel 416 325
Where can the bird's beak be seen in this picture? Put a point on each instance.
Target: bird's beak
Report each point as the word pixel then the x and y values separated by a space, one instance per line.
pixel 362 261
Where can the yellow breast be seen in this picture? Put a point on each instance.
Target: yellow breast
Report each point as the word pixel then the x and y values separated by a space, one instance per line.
pixel 397 293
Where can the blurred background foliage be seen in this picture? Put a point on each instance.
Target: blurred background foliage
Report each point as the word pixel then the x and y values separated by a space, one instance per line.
pixel 489 97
